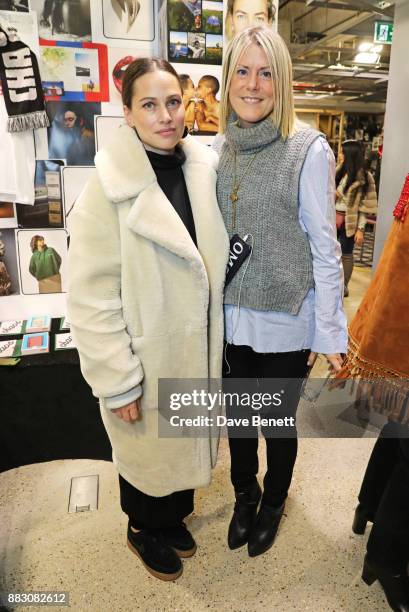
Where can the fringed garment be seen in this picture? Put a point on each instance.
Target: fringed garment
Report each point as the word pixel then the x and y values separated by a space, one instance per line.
pixel 378 353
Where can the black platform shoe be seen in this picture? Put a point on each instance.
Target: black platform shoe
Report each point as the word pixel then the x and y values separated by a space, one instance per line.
pixel 244 516
pixel 360 520
pixel 265 529
pixel 157 556
pixel 181 540
pixel 395 587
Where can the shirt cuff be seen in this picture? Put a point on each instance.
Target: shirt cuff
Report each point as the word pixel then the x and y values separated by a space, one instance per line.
pixel 117 401
pixel 336 343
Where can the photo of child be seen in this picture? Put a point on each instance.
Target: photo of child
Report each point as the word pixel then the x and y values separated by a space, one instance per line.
pixel 201 104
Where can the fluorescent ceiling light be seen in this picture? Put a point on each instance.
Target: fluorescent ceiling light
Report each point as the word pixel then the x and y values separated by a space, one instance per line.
pixel 368 53
pixel 339 66
pixel 366 58
pixel 365 47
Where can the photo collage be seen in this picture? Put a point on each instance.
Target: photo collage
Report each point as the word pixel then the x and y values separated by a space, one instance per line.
pixel 195 31
pixel 83 49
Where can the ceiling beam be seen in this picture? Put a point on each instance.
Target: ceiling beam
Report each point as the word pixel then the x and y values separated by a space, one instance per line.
pixel 356 5
pixel 297 51
pixel 367 5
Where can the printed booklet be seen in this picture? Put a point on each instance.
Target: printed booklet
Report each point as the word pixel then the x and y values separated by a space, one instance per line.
pixel 63 342
pixel 13 327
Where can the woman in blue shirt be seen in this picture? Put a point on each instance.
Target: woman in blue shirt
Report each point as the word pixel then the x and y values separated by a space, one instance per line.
pixel 275 190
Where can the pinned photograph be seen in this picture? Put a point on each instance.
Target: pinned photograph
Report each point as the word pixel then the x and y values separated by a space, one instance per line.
pixel 63 342
pixel 196 44
pixel 20 6
pixel 47 210
pixel 118 61
pixel 74 73
pixel 128 19
pixel 38 323
pixel 25 25
pixel 71 135
pixel 33 344
pixel 201 99
pixel 106 128
pixel 9 284
pixel 178 49
pixel 74 179
pixel 13 328
pixel 241 14
pixel 8 215
pixel 63 19
pixel 185 15
pixel 212 18
pixel 42 261
pixel 214 49
pixel 10 348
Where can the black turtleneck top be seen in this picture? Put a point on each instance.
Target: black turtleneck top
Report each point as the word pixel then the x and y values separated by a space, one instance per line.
pixel 168 170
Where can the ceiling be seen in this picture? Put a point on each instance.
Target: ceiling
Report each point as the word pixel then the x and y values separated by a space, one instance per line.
pixel 323 37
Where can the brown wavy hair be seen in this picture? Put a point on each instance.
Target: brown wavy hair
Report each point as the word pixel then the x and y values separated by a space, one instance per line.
pixel 138 69
pixel 33 242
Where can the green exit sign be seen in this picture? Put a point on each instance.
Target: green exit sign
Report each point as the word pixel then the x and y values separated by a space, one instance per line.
pixel 383 32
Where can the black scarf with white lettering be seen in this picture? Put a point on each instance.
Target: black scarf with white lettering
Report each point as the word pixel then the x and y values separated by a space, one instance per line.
pixel 21 84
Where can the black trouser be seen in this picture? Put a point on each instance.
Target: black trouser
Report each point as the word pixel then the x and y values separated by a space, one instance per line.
pixel 281 451
pixel 385 495
pixel 147 512
pixel 347 242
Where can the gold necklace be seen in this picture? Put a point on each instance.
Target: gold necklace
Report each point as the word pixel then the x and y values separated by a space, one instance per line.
pixel 234 196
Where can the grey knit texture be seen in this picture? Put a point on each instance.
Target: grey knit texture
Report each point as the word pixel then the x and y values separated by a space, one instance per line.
pixel 279 273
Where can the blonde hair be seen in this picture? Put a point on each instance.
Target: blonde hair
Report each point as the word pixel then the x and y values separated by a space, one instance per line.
pixel 283 114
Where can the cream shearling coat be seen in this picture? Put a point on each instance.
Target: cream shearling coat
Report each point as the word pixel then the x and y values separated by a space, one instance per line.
pixel 144 303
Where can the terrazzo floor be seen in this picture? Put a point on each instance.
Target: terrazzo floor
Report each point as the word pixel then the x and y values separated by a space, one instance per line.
pixel 314 564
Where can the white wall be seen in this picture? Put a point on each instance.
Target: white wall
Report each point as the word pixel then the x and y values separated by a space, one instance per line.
pixel 395 163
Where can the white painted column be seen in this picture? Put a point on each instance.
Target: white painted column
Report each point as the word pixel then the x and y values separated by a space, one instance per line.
pixel 395 162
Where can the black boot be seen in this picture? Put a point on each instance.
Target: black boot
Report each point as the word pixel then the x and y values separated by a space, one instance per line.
pixel 158 558
pixel 245 512
pixel 265 529
pixel 360 520
pixel 395 587
pixel 181 540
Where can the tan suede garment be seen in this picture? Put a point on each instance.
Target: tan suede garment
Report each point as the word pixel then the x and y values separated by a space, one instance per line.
pixel 379 332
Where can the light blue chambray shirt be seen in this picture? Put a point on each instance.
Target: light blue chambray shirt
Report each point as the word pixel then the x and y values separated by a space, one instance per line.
pixel 320 324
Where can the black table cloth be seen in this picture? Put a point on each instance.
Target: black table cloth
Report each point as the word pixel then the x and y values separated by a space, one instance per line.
pixel 48 411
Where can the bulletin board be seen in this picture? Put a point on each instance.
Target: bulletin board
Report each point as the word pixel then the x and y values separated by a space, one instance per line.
pixel 83 48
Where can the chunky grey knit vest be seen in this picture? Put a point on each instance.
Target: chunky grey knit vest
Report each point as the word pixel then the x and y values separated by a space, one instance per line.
pixel 279 274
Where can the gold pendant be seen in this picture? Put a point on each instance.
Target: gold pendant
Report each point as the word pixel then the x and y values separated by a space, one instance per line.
pixel 234 197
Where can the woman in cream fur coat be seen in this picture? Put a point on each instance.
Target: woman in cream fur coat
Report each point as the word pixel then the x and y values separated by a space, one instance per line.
pixel 145 303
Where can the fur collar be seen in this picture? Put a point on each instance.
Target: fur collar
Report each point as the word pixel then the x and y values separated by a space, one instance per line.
pixel 126 174
pixel 124 168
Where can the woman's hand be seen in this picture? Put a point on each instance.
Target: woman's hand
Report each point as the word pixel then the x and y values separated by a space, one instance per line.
pixel 335 360
pixel 130 412
pixel 312 359
pixel 359 237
